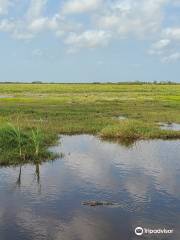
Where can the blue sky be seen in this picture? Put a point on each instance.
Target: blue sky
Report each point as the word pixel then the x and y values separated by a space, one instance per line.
pixel 89 40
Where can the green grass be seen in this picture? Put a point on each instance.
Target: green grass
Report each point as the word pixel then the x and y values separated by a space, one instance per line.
pixel 90 108
pixel 18 146
pixel 133 130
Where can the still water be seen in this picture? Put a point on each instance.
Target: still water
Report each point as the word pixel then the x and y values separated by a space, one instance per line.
pixel 44 202
pixel 170 126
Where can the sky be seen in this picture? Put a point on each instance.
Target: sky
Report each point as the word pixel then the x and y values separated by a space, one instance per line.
pixel 89 40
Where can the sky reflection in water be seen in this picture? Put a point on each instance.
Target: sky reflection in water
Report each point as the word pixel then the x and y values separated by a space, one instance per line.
pixel 44 202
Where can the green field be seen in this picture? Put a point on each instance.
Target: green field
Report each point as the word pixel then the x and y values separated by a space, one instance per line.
pixel 92 108
pixel 87 108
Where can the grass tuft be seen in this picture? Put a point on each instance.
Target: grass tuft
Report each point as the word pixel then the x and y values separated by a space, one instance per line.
pixel 18 146
pixel 134 130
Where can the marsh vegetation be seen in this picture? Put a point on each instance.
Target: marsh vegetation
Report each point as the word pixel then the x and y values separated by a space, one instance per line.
pixel 134 129
pixel 18 146
pixel 46 110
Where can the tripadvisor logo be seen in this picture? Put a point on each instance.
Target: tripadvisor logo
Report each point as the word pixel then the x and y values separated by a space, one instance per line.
pixel 139 231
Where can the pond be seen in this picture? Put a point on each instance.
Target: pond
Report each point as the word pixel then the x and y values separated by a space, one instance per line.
pixel 120 118
pixel 170 126
pixel 44 202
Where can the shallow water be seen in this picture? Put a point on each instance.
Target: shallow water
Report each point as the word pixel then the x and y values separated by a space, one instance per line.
pixel 5 96
pixel 170 126
pixel 44 202
pixel 120 118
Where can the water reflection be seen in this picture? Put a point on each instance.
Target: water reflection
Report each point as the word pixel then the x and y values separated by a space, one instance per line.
pixel 128 143
pixel 143 178
pixel 18 182
pixel 37 174
pixel 170 126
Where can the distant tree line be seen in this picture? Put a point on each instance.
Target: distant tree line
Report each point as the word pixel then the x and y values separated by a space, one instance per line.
pixel 140 83
pixel 119 83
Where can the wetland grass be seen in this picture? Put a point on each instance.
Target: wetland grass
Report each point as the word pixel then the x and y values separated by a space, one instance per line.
pixel 18 146
pixel 82 108
pixel 135 129
pixel 37 139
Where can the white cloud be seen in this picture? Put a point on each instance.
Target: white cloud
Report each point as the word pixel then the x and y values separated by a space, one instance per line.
pixel 38 24
pixel 137 17
pixel 161 44
pixel 172 57
pixel 4 6
pixel 34 21
pixel 15 28
pixel 109 19
pixel 6 25
pixel 173 33
pixel 88 39
pixel 80 6
pixel 26 26
pixel 36 8
pixel 159 47
pixel 167 48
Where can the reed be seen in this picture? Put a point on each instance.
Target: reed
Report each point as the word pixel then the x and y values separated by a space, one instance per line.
pixel 18 146
pixel 15 135
pixel 37 139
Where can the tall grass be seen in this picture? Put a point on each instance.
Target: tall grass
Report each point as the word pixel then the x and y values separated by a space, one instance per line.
pixel 37 138
pixel 15 136
pixel 134 129
pixel 18 146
